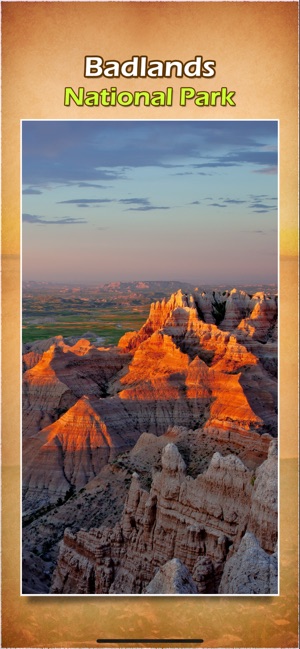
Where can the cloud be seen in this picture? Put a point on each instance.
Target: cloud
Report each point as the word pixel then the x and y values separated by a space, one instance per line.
pixel 233 201
pixel 183 173
pixel 237 158
pixel 217 205
pixel 259 203
pixel 268 171
pixel 31 190
pixel 141 203
pixel 191 173
pixel 147 208
pixel 257 197
pixel 81 185
pixel 255 204
pixel 261 206
pixel 254 231
pixel 85 201
pixel 134 201
pixel 79 151
pixel 42 220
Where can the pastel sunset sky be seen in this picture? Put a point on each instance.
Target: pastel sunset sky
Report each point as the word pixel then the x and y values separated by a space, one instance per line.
pixel 190 201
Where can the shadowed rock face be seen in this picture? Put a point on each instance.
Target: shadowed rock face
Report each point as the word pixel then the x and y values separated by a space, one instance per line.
pixel 186 529
pixel 63 375
pixel 250 571
pixel 72 450
pixel 173 578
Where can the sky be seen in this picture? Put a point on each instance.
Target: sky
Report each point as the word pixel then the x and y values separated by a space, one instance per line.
pixel 192 201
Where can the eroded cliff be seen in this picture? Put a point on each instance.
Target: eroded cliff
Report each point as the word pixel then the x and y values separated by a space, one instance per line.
pixel 199 522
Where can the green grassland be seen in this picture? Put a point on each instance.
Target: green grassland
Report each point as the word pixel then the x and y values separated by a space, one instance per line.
pixel 109 324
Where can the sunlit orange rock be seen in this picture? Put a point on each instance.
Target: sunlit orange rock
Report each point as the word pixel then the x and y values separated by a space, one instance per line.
pixel 180 369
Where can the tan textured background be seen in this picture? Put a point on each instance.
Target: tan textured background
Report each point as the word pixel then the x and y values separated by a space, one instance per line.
pixel 255 46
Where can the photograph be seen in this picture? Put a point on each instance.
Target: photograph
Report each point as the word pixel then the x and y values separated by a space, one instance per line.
pixel 149 281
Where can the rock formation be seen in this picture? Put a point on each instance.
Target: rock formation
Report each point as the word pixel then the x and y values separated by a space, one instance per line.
pixel 201 372
pixel 71 451
pixel 62 375
pixel 250 571
pixel 199 523
pixel 172 578
pixel 177 370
